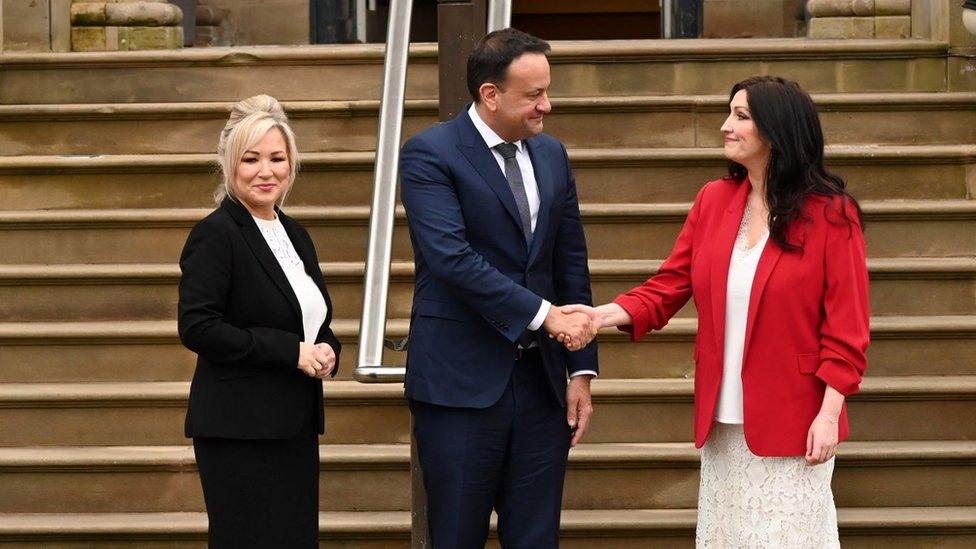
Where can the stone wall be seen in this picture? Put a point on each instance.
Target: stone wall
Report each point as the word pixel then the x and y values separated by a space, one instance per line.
pixel 860 18
pixel 125 25
pixel 753 18
pixel 26 25
pixel 263 22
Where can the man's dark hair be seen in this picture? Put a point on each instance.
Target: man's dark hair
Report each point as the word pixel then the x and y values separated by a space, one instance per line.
pixel 495 52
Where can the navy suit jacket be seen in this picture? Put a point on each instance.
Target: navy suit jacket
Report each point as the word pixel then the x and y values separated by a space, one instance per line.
pixel 478 286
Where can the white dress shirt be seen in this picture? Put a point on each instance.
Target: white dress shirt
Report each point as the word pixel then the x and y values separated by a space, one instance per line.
pixel 314 309
pixel 531 193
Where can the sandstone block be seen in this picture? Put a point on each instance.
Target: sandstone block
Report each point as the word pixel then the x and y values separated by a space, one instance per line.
pixel 121 1
pixel 893 7
pixel 112 38
pixel 128 14
pixel 858 8
pixel 862 8
pixel 893 26
pixel 840 8
pixel 841 27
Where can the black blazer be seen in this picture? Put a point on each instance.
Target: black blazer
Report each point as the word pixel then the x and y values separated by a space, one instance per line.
pixel 238 312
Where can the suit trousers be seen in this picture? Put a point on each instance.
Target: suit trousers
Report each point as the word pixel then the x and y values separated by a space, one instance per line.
pixel 262 493
pixel 510 456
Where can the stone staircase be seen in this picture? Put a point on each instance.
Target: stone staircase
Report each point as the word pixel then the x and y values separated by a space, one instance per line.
pixel 108 162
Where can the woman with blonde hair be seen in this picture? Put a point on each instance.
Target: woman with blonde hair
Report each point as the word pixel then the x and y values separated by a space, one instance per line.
pixel 254 307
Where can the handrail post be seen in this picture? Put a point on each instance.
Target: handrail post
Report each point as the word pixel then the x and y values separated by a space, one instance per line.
pixel 460 24
pixel 499 14
pixel 372 327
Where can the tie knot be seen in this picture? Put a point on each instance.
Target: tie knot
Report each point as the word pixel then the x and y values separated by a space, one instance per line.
pixel 507 150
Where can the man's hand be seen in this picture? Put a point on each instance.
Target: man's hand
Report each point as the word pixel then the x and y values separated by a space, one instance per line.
pixel 575 342
pixel 574 330
pixel 579 407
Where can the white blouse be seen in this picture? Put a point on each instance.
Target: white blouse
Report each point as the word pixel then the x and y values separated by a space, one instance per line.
pixel 314 309
pixel 742 270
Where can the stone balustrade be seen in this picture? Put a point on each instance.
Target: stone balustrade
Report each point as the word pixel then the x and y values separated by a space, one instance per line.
pixel 113 25
pixel 859 18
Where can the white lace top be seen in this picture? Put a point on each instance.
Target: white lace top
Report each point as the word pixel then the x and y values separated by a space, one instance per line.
pixel 314 309
pixel 742 270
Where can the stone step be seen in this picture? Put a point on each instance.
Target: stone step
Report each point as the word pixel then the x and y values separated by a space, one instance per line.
pixel 860 528
pixel 377 477
pixel 81 352
pixel 908 228
pixel 579 68
pixel 145 413
pixel 594 122
pixel 346 178
pixel 30 293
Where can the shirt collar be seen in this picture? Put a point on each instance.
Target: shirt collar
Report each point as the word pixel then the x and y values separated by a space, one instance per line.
pixel 487 134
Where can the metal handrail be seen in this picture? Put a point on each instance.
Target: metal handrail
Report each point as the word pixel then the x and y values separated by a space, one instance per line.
pixel 499 14
pixel 372 327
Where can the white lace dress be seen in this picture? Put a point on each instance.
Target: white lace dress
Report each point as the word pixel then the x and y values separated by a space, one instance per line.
pixel 747 501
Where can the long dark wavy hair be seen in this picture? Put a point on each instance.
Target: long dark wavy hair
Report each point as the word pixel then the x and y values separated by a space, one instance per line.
pixel 787 119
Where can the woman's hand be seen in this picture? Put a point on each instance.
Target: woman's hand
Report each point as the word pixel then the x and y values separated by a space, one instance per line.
pixel 822 436
pixel 821 439
pixel 311 359
pixel 604 316
pixel 328 360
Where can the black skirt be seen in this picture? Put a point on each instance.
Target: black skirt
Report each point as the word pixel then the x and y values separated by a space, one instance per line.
pixel 261 493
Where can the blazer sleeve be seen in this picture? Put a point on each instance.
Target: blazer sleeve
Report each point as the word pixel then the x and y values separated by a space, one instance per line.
pixel 205 287
pixel 571 271
pixel 652 304
pixel 438 229
pixel 845 332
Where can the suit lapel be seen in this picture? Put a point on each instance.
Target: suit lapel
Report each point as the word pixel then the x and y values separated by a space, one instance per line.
pixel 474 148
pixel 767 262
pixel 543 178
pixel 721 255
pixel 259 247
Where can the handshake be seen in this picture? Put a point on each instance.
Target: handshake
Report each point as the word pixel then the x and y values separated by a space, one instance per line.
pixel 574 326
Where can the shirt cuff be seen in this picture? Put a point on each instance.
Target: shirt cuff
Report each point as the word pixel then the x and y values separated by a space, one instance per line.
pixel 540 317
pixel 583 373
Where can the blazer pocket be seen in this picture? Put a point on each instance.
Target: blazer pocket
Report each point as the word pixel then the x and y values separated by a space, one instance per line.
pixel 808 362
pixel 443 309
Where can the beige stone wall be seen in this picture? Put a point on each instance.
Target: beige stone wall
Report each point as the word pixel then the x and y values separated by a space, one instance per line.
pixel 26 25
pixel 753 18
pixel 891 19
pixel 265 22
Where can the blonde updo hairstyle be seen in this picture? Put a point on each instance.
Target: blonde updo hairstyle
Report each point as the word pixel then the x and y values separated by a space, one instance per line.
pixel 249 121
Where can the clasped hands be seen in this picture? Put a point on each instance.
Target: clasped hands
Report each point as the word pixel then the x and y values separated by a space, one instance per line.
pixel 317 360
pixel 574 326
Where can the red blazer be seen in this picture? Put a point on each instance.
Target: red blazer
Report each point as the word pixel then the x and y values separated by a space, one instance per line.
pixel 808 315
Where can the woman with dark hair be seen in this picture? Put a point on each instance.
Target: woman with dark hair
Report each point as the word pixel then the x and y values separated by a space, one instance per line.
pixel 774 257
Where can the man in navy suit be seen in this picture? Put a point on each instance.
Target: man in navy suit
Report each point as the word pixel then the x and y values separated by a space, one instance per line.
pixel 498 243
